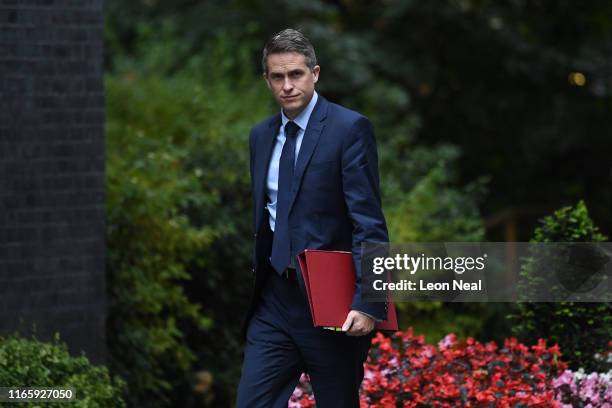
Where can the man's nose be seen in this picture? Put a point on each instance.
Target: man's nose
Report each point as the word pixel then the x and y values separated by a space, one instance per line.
pixel 287 85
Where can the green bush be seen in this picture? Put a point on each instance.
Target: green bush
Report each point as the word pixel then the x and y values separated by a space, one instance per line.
pixel 179 222
pixel 424 202
pixel 581 329
pixel 34 363
pixel 149 242
pixel 435 208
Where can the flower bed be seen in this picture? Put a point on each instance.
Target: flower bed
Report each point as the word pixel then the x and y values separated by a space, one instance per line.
pixel 404 371
pixel 578 389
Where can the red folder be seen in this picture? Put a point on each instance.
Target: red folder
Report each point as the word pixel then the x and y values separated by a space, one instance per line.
pixel 329 277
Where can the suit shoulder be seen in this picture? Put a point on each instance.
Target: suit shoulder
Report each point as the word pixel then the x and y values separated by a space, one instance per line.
pixel 345 116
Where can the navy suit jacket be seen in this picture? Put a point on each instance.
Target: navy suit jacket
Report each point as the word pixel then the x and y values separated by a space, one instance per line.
pixel 335 202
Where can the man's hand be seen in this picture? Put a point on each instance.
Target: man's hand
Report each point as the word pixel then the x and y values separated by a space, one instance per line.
pixel 357 324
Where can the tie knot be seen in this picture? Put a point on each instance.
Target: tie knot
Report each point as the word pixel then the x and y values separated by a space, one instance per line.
pixel 291 129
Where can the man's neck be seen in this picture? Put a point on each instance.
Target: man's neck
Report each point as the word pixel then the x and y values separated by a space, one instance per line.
pixel 293 115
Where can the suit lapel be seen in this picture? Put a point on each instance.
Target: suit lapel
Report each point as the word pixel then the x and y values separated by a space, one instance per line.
pixel 262 161
pixel 309 142
pixel 264 152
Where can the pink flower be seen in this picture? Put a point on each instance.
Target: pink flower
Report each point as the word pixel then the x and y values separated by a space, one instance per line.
pixel 447 341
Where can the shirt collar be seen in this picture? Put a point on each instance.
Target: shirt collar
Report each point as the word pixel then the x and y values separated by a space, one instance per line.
pixel 302 119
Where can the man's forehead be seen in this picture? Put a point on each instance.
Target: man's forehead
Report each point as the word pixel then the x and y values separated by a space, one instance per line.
pixel 286 61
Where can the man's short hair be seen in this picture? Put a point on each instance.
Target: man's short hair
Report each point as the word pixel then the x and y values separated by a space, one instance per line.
pixel 289 40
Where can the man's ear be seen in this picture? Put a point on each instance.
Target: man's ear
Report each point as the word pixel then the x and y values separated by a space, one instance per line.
pixel 315 71
pixel 265 77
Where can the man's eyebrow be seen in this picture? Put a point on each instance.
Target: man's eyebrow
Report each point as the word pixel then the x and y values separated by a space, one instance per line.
pixel 293 71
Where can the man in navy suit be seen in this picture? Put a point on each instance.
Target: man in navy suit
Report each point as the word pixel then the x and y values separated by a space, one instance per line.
pixel 314 176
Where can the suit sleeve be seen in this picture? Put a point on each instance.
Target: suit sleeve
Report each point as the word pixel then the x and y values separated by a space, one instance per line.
pixel 361 189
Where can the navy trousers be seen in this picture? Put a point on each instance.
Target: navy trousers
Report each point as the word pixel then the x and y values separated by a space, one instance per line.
pixel 282 343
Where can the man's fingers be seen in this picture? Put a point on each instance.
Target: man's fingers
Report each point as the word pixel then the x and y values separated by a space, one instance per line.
pixel 357 324
pixel 357 327
pixel 360 332
pixel 362 325
pixel 356 330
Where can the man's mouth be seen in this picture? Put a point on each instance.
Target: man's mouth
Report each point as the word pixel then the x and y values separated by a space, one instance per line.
pixel 289 97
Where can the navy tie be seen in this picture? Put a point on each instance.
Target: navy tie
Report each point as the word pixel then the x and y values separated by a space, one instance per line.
pixel 281 250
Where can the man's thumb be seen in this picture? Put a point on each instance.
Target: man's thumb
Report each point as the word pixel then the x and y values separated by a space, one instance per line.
pixel 348 322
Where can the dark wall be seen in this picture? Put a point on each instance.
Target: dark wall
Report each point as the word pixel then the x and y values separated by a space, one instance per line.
pixel 52 171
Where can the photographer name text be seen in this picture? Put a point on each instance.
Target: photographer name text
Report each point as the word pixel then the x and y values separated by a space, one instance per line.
pixel 421 285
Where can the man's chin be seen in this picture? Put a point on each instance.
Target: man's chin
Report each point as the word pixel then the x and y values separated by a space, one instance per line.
pixel 291 108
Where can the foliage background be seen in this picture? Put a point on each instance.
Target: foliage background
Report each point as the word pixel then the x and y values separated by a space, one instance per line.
pixel 482 125
pixel 29 362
